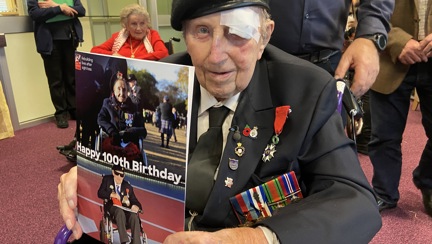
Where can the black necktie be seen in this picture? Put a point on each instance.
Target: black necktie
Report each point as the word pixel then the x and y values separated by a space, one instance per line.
pixel 204 161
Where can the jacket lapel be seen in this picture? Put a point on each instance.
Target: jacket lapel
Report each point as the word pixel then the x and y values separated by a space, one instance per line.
pixel 255 108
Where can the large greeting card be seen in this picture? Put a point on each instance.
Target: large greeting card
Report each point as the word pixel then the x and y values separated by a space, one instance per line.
pixel 120 106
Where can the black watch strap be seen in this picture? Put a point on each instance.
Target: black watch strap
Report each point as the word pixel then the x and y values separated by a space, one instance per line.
pixel 379 40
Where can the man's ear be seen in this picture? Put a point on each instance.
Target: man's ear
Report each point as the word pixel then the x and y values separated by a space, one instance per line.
pixel 266 38
pixel 269 31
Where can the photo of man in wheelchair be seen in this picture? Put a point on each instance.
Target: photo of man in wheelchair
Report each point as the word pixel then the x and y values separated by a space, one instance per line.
pixel 120 207
pixel 121 123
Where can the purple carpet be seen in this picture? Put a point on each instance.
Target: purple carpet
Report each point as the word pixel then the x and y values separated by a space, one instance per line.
pixel 30 168
pixel 408 222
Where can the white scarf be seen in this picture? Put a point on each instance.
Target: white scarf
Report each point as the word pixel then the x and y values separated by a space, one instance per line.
pixel 122 37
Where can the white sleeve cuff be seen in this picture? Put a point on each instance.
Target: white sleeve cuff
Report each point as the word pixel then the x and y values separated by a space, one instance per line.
pixel 269 235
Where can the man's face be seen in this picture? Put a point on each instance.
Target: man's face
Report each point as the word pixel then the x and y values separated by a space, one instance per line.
pixel 224 62
pixel 118 176
pixel 120 91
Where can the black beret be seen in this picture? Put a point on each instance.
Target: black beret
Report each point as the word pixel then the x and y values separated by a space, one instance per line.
pixel 117 167
pixel 190 9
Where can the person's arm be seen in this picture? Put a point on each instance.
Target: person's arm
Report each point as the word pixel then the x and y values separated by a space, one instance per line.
pixel 81 11
pixel 159 48
pixel 373 17
pixel 229 235
pixel 40 14
pixel 132 198
pixel 338 198
pixel 105 191
pixel 104 119
pixel 106 47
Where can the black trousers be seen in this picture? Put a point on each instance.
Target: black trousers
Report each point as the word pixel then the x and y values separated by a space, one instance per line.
pixel 60 72
pixel 389 116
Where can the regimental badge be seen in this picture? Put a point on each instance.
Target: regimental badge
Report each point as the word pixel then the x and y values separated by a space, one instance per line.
pixel 239 150
pixel 269 152
pixel 233 164
pixel 229 182
pixel 254 133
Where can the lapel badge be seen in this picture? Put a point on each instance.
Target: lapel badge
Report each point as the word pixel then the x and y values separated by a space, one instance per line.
pixel 239 150
pixel 254 133
pixel 229 182
pixel 246 130
pixel 233 164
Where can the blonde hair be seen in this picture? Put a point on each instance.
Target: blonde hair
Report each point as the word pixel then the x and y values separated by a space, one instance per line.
pixel 133 9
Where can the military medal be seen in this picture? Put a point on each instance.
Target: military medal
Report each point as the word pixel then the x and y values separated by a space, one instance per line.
pixel 229 182
pixel 280 119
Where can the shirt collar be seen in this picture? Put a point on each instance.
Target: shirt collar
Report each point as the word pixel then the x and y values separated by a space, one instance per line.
pixel 207 101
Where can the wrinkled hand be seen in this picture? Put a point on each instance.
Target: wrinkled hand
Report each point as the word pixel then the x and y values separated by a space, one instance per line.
pixel 115 195
pixel 68 11
pixel 426 46
pixel 135 208
pixel 67 197
pixel 233 235
pixel 47 4
pixel 361 56
pixel 412 53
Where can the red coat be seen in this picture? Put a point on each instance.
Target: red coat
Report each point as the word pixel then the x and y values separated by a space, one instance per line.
pixel 160 50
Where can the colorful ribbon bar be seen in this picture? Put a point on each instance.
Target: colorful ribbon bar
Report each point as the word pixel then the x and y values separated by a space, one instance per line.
pixel 261 201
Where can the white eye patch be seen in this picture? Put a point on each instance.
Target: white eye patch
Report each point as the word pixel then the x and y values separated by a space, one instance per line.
pixel 243 22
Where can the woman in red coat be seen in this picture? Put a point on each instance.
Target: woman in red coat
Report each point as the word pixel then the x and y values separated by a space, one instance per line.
pixel 136 39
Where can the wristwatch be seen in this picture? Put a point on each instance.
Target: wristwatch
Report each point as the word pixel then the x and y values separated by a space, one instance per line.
pixel 379 40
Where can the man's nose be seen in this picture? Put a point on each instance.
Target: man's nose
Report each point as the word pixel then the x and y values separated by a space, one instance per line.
pixel 218 48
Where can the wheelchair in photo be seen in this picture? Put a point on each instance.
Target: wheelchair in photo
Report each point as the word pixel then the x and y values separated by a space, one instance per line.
pixel 103 136
pixel 108 228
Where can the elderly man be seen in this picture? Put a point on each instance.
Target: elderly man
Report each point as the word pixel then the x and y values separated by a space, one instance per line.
pixel 281 117
pixel 116 193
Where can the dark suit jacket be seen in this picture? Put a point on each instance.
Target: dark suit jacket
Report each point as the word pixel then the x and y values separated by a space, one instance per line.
pixel 339 206
pixel 111 116
pixel 105 191
pixel 137 98
pixel 405 26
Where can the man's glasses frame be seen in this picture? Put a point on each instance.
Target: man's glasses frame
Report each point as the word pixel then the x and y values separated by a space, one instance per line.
pixel 119 174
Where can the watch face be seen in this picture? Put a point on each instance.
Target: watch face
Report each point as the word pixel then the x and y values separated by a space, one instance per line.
pixel 381 41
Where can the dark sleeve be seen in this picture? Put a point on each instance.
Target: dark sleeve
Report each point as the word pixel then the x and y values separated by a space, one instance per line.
pixel 136 99
pixel 105 47
pixel 104 119
pixel 79 8
pixel 339 206
pixel 132 198
pixel 41 14
pixel 373 16
pixel 105 191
